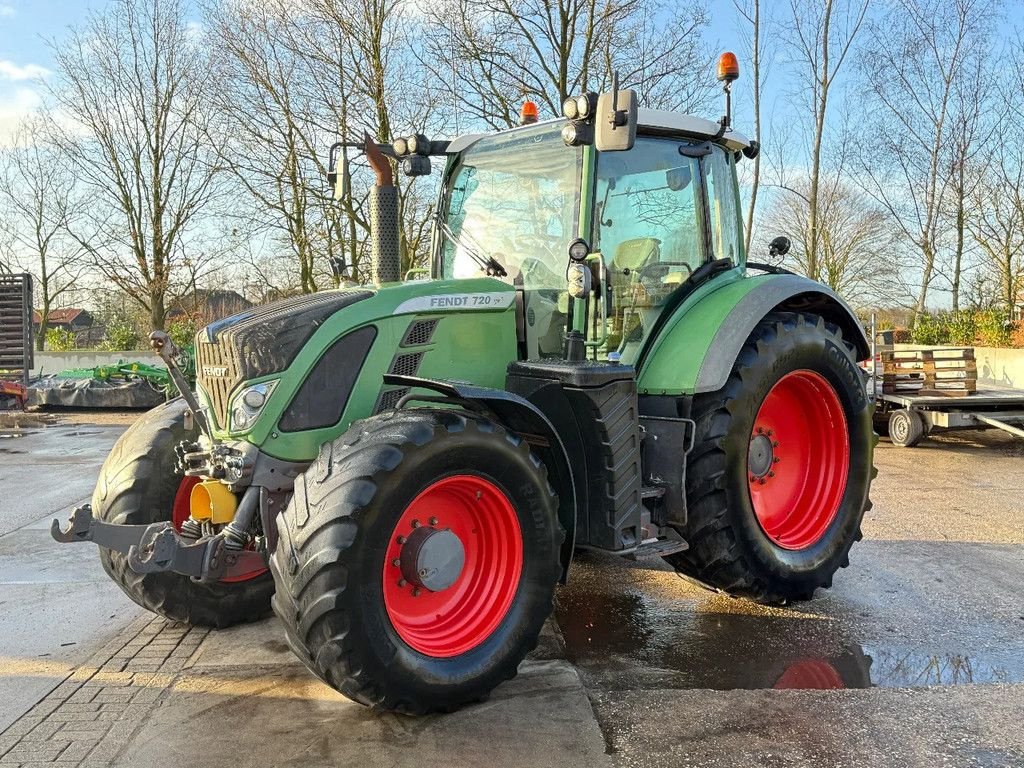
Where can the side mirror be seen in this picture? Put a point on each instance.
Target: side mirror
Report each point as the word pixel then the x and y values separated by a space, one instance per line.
pixel 338 266
pixel 615 119
pixel 337 174
pixel 779 246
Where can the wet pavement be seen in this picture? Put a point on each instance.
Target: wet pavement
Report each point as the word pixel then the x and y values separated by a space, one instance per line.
pixel 914 658
pixel 56 603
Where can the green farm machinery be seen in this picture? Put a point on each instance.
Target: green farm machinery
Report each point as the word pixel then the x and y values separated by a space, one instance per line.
pixel 403 471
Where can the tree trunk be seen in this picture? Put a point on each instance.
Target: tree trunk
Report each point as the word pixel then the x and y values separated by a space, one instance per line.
pixel 157 310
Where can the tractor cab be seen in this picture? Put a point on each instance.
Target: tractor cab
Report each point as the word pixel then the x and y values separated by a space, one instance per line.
pixel 514 202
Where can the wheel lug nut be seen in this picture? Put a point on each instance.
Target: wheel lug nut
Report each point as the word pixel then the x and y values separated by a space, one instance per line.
pixel 761 481
pixel 753 478
pixel 402 582
pixel 415 591
pixel 433 521
pixel 396 562
pixel 771 474
pixel 415 523
pixel 776 459
pixel 760 431
pixel 769 433
pixel 775 443
pixel 402 539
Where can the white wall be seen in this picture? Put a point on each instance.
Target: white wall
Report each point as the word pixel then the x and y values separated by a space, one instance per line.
pixel 55 362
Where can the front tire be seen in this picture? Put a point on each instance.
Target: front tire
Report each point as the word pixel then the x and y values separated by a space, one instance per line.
pixel 778 480
pixel 362 607
pixel 138 485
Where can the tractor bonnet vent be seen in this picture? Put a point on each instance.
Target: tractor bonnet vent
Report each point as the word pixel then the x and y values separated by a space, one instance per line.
pixel 388 399
pixel 406 365
pixel 420 332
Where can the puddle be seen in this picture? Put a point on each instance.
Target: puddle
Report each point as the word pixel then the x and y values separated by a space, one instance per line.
pixel 632 639
pixel 13 435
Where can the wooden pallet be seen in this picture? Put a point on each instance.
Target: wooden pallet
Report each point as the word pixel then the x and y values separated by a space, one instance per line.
pixel 952 372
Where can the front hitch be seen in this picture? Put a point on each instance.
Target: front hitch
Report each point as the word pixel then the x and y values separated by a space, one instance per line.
pixel 157 547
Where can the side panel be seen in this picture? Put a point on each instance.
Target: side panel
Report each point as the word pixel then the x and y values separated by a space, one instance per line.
pixel 473 340
pixel 697 348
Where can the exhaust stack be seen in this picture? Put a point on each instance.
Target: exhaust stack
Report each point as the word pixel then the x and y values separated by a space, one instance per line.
pixel 385 250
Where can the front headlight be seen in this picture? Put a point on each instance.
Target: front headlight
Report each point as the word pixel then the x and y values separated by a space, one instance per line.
pixel 248 403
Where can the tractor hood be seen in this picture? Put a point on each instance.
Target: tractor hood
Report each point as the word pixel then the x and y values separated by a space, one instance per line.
pixel 333 348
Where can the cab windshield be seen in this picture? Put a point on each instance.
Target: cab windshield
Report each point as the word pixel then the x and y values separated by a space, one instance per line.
pixel 513 202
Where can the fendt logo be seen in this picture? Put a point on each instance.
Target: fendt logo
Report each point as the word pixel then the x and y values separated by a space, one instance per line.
pixel 215 370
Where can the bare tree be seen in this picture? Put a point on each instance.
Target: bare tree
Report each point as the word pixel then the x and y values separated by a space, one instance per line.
pixel 998 222
pixel 915 65
pixel 505 50
pixel 143 139
pixel 37 205
pixel 823 35
pixel 751 12
pixel 857 249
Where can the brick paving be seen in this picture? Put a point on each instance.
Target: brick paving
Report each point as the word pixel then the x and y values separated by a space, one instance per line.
pixel 93 714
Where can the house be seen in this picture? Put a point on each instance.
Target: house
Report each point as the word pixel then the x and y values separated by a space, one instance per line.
pixel 206 305
pixel 69 319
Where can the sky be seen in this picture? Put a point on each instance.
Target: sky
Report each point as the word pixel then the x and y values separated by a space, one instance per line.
pixel 24 25
pixel 27 25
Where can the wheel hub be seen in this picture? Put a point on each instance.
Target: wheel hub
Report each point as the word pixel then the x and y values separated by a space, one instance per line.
pixel 432 558
pixel 760 456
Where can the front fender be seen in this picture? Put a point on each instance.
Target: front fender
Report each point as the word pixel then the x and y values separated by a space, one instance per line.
pixel 698 346
pixel 524 418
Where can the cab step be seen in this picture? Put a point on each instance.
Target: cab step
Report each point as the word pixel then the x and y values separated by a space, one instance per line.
pixel 658 548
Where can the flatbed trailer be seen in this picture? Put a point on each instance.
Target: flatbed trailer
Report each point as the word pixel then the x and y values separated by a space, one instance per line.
pixel 906 418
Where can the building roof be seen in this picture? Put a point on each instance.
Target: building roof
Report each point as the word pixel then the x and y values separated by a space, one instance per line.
pixel 68 315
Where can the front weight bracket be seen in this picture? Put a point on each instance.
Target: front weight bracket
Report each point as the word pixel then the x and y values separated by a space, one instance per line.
pixel 157 547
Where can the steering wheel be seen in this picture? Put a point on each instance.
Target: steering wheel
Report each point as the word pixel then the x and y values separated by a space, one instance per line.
pixel 532 265
pixel 528 242
pixel 664 267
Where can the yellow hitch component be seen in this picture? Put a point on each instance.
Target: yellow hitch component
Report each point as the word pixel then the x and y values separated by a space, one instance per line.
pixel 211 500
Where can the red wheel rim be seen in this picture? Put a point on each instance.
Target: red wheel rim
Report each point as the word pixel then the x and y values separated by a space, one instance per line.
pixel 810 674
pixel 457 619
pixel 180 513
pixel 182 506
pixel 798 460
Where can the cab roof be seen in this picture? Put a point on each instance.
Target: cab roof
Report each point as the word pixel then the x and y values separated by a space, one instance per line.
pixel 649 121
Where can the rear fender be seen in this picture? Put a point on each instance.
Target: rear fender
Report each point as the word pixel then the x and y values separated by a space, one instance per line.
pixel 697 348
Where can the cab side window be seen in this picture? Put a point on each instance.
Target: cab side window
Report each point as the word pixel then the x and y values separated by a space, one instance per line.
pixel 649 230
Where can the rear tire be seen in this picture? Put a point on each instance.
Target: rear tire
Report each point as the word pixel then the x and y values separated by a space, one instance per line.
pixel 137 486
pixel 769 522
pixel 348 611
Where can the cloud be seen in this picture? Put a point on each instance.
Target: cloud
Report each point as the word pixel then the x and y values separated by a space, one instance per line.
pixel 15 107
pixel 6 10
pixel 11 71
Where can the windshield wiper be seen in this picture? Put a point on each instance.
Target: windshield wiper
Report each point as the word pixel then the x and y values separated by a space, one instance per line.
pixel 491 266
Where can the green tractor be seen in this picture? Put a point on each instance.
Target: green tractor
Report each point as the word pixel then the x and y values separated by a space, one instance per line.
pixel 404 471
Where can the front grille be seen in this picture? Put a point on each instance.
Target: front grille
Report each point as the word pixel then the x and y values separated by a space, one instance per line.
pixel 260 341
pixel 217 372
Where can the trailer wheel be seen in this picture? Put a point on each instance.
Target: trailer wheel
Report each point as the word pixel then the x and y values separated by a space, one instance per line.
pixel 777 482
pixel 417 560
pixel 137 486
pixel 906 428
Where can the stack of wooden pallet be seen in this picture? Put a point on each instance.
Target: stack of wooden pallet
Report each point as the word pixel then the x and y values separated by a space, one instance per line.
pixel 950 371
